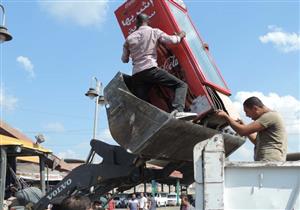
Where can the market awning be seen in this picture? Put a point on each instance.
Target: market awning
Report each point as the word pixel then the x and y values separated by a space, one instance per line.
pixel 27 147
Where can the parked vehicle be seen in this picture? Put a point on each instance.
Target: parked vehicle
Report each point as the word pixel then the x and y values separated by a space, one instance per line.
pixel 172 199
pixel 161 199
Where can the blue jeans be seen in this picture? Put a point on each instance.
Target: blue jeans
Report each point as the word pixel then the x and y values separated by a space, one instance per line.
pixel 144 80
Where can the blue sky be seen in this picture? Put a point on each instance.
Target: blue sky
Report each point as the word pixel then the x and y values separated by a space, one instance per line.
pixel 58 46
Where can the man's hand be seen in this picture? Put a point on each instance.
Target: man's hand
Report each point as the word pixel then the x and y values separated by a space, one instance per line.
pixel 182 34
pixel 221 113
pixel 126 53
pixel 205 46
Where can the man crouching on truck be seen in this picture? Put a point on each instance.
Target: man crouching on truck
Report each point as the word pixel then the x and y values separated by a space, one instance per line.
pixel 141 47
pixel 267 132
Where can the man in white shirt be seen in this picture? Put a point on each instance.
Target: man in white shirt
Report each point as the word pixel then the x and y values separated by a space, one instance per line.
pixel 142 202
pixel 141 47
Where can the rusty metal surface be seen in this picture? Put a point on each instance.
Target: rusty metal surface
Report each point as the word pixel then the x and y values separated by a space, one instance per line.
pixel 144 129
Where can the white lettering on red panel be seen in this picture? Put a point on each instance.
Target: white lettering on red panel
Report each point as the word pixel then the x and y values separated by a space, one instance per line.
pixel 170 63
pixel 132 18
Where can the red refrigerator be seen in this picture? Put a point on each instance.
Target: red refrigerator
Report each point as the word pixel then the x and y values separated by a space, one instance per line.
pixel 190 60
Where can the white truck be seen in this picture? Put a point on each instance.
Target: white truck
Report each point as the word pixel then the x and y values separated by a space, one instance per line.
pixel 161 199
pixel 221 184
pixel 173 199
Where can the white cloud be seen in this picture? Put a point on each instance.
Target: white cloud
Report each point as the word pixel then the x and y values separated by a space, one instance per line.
pixel 83 13
pixel 56 127
pixel 27 65
pixel 104 135
pixel 68 154
pixel 285 42
pixel 80 150
pixel 7 101
pixel 83 145
pixel 77 151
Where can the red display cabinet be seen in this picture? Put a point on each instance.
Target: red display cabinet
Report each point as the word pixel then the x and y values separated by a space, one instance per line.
pixel 190 60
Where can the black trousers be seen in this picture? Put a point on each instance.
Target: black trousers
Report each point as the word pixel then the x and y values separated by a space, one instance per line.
pixel 144 80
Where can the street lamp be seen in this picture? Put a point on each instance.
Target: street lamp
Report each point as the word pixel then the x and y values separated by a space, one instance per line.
pixel 4 34
pixel 39 138
pixel 95 92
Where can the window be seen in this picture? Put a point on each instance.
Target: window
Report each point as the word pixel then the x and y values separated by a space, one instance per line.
pixel 172 196
pixel 210 72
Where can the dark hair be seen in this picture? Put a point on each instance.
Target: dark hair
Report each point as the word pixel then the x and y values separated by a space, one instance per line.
pixel 253 101
pixel 183 195
pixel 97 202
pixel 76 203
pixel 141 18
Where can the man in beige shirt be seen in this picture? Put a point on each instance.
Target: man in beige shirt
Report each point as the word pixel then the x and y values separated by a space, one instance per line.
pixel 267 132
pixel 141 47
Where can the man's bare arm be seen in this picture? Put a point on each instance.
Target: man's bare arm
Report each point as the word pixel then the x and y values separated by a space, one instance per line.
pixel 244 130
pixel 171 39
pixel 126 53
pixel 252 136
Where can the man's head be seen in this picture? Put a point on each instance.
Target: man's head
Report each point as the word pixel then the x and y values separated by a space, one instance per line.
pixel 254 107
pixel 76 202
pixel 97 205
pixel 142 194
pixel 133 196
pixel 142 19
pixel 185 200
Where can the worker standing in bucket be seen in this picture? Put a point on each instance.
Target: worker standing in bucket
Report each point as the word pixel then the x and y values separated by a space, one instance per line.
pixel 267 132
pixel 141 47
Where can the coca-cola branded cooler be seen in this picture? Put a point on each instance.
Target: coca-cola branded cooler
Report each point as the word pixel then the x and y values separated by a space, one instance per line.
pixel 190 60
